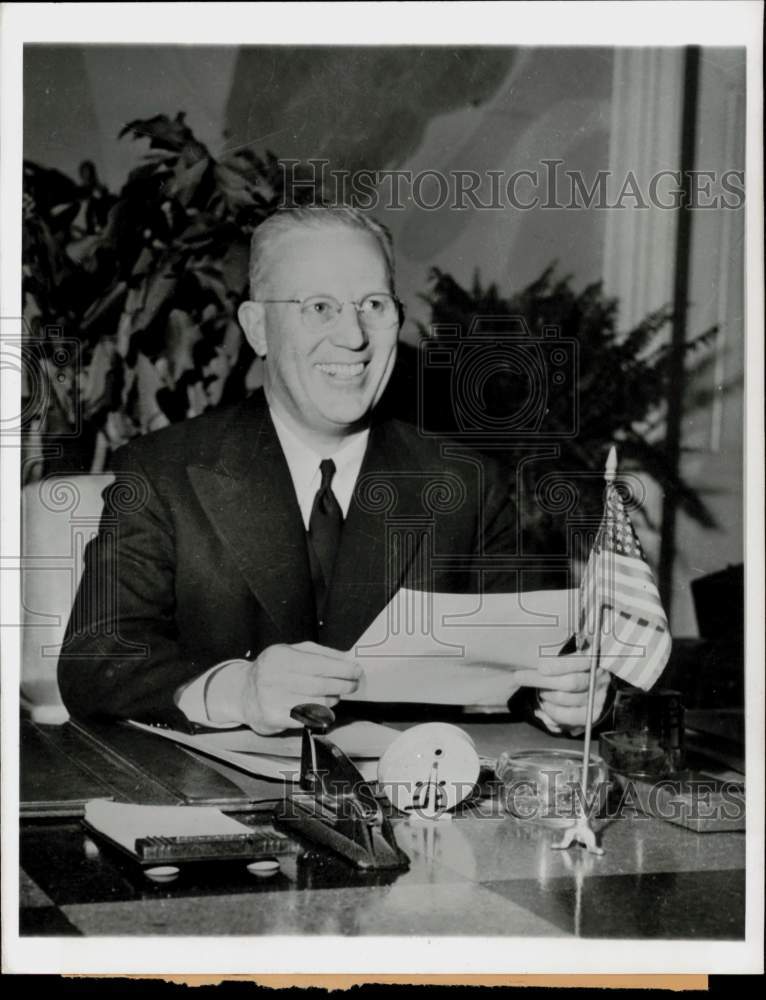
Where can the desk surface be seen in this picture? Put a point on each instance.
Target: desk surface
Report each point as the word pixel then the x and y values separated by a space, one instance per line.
pixel 478 874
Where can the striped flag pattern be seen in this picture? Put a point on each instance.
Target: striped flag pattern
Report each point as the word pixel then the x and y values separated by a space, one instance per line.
pixel 635 640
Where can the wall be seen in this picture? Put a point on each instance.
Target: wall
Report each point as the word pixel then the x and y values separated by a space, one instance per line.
pixel 417 109
pixel 553 104
pixel 77 98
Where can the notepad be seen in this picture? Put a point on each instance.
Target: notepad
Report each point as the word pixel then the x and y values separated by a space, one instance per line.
pixel 153 834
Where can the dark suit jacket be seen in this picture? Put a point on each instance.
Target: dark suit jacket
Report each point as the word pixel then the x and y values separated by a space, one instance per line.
pixel 201 554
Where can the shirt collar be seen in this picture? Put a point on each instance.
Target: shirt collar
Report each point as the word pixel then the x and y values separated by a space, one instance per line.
pixel 303 464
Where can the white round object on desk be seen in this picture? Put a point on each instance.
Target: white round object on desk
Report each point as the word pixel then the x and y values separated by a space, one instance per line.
pixel 162 873
pixel 264 868
pixel 429 769
pixel 437 731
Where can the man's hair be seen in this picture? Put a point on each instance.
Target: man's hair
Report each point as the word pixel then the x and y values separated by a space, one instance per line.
pixel 286 220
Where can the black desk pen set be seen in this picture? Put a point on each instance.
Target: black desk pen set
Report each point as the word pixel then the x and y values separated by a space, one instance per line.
pixel 335 806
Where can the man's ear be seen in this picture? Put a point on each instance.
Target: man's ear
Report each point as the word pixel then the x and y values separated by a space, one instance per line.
pixel 252 319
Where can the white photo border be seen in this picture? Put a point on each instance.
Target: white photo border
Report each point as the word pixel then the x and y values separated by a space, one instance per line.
pixel 726 23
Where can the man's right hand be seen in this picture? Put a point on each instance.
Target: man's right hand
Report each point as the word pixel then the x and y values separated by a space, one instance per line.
pixel 261 693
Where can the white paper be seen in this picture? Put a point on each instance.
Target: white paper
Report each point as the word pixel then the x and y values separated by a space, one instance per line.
pixel 125 823
pixel 278 757
pixel 460 649
pixel 358 740
pixel 285 769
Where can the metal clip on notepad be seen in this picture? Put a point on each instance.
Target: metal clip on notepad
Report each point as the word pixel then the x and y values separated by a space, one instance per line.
pixel 335 806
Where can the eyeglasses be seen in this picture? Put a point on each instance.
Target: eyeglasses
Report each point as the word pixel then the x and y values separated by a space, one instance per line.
pixel 375 311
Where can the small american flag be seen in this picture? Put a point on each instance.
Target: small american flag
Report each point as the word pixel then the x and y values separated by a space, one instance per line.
pixel 635 640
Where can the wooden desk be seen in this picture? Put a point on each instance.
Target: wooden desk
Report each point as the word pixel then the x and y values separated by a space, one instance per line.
pixel 474 875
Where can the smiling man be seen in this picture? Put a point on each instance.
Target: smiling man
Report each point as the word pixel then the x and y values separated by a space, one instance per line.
pixel 241 554
pixel 325 318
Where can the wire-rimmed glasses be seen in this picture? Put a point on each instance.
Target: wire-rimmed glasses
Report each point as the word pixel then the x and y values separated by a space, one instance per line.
pixel 376 311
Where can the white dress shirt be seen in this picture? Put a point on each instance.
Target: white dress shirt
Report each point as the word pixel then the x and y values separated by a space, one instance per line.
pixel 303 464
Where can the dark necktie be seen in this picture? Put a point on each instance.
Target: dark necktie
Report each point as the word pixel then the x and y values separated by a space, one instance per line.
pixel 324 534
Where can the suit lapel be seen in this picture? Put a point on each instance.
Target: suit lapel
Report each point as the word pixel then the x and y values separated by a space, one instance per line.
pixel 248 496
pixel 245 489
pixel 371 565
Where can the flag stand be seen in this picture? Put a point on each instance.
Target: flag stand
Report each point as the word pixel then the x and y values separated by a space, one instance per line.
pixel 581 832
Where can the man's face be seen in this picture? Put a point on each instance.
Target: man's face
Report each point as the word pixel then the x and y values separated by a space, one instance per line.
pixel 326 378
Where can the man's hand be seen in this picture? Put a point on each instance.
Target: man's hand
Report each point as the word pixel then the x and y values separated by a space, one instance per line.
pixel 261 693
pixel 562 683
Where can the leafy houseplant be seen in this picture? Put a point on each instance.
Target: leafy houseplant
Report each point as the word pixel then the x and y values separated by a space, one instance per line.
pixel 614 393
pixel 146 283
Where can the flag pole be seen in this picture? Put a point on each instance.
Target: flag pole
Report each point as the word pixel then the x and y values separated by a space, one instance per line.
pixel 581 831
pixel 594 661
pixel 610 472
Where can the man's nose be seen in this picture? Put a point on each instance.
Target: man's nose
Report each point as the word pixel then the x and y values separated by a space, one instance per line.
pixel 348 331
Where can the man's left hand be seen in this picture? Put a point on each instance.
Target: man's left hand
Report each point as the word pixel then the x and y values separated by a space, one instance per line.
pixel 562 689
pixel 567 707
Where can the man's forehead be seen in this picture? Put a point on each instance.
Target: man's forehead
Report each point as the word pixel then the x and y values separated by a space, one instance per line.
pixel 311 241
pixel 326 252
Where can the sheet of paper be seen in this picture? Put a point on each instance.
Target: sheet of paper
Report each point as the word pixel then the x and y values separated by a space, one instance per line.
pixel 358 740
pixel 460 649
pixel 125 823
pixel 281 768
pixel 278 757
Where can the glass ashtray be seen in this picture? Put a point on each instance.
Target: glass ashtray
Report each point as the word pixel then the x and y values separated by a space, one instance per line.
pixel 543 786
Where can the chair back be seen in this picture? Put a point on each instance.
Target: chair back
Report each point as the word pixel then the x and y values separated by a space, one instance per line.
pixel 59 516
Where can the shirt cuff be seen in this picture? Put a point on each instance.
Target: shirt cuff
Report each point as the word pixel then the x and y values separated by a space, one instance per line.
pixel 191 698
